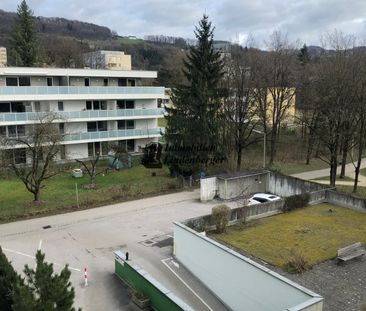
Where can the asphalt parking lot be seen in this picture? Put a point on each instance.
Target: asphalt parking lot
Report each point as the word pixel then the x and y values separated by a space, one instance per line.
pixel 87 239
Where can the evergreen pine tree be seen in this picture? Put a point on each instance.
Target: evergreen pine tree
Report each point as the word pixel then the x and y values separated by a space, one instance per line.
pixel 24 41
pixel 193 120
pixel 303 56
pixel 8 280
pixel 44 290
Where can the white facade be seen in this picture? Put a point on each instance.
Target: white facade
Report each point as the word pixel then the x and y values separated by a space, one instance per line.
pixel 93 107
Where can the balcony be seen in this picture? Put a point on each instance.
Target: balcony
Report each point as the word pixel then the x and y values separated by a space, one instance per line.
pixel 113 135
pixel 78 92
pixel 65 116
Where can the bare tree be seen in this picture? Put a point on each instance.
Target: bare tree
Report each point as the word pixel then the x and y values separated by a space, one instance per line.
pixel 334 98
pixel 90 166
pixel 275 91
pixel 239 106
pixel 32 153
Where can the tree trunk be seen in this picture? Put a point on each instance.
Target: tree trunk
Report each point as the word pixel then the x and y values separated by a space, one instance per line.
pixel 238 160
pixel 333 170
pixel 37 195
pixel 359 156
pixel 344 159
pixel 273 146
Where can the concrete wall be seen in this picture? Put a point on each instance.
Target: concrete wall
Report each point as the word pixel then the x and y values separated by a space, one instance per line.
pixel 235 279
pixel 287 186
pixel 76 151
pixel 345 200
pixel 208 188
pixel 161 298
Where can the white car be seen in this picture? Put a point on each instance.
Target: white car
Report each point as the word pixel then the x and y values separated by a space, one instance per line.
pixel 262 198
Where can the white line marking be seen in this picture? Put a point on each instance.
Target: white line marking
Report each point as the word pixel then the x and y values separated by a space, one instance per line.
pixel 40 245
pixel 30 256
pixel 175 264
pixel 170 258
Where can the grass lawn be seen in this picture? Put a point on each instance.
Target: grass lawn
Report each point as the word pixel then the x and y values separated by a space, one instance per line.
pixel 313 231
pixel 290 168
pixel 363 171
pixel 361 191
pixel 59 193
pixel 129 41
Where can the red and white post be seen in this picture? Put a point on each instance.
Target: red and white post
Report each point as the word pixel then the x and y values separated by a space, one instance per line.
pixel 85 277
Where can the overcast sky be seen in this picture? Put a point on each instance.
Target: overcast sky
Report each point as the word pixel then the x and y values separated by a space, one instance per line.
pixel 234 20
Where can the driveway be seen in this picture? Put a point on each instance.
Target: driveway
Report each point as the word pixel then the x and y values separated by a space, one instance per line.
pixel 87 239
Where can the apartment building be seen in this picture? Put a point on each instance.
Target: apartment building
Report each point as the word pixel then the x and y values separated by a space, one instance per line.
pixel 94 107
pixel 113 60
pixel 3 57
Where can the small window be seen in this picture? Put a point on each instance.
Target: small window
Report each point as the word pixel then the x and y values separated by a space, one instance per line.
pixel 88 105
pixel 87 82
pixel 63 152
pixel 12 130
pixel 103 105
pixel 105 82
pixel 60 106
pixel 92 126
pixel 90 149
pixel 96 105
pixel 121 104
pixel 130 124
pixel 97 148
pixel 49 82
pixel 62 128
pixel 24 81
pixel 37 106
pixel 17 107
pixel 11 81
pixel 2 131
pixel 122 82
pixel 121 124
pixel 20 130
pixel 4 107
pixel 131 82
pixel 130 104
pixel 130 145
pixel 20 156
pixel 102 126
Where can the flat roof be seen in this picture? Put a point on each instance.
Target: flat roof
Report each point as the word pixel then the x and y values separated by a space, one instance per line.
pixel 73 72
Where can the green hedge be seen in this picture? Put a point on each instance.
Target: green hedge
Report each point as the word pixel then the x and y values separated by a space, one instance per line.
pixel 296 201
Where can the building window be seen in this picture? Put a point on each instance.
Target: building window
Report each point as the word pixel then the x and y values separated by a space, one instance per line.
pixel 63 152
pixel 49 81
pixel 11 81
pixel 125 104
pixel 129 144
pixel 60 106
pixel 24 81
pixel 61 127
pixel 126 124
pixel 96 105
pixel 122 82
pixel 4 107
pixel 99 126
pixel 20 156
pixel 17 107
pixel 97 148
pixel 2 131
pixel 37 106
pixel 131 82
pixel 15 131
pixel 105 82
pixel 87 82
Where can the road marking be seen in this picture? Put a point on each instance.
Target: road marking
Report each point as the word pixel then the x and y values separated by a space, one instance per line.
pixel 40 245
pixel 175 264
pixel 190 288
pixel 30 256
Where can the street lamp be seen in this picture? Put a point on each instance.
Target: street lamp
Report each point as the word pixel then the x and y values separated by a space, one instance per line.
pixel 264 145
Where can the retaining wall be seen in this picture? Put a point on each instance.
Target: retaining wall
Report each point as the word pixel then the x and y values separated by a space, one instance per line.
pixel 161 299
pixel 236 280
pixel 345 200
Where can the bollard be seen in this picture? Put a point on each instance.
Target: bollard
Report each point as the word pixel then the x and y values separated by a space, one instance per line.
pixel 127 254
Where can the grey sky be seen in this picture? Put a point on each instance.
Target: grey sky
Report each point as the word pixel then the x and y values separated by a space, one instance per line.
pixel 305 20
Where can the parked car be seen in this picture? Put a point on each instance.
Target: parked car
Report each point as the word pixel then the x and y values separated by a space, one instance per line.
pixel 262 198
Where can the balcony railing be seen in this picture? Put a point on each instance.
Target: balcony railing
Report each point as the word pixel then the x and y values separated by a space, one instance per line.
pixel 116 134
pixel 82 90
pixel 87 114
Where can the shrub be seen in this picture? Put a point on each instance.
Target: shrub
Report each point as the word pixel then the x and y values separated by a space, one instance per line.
pixel 297 263
pixel 220 215
pixel 296 201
